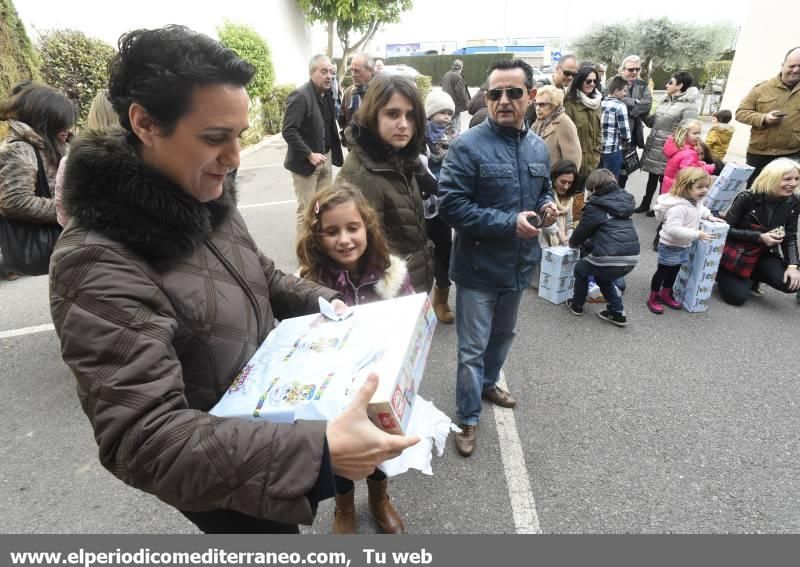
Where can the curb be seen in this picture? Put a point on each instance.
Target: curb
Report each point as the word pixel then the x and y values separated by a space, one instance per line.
pixel 255 147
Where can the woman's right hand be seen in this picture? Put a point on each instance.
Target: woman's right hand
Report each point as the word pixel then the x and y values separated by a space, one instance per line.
pixel 356 446
pixel 770 240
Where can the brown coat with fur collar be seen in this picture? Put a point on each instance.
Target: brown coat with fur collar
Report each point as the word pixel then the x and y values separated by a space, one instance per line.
pixel 159 300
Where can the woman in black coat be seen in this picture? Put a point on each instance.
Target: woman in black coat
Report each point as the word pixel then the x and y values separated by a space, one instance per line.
pixel 763 220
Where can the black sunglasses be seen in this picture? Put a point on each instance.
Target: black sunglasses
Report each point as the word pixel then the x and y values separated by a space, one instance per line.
pixel 568 73
pixel 633 69
pixel 513 93
pixel 590 82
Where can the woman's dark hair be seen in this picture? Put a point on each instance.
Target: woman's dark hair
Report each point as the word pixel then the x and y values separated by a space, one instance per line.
pixel 160 68
pixel 509 64
pixel 684 79
pixel 46 110
pixel 563 167
pixel 381 89
pixel 577 82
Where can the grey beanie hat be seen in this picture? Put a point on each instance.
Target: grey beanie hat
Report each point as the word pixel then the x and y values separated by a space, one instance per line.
pixel 438 101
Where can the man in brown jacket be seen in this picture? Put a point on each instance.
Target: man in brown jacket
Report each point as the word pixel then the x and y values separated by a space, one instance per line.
pixel 772 109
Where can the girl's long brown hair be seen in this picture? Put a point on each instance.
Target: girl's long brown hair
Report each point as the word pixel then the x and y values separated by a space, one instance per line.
pixel 315 264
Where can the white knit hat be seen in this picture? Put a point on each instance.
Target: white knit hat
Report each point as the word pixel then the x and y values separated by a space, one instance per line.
pixel 438 101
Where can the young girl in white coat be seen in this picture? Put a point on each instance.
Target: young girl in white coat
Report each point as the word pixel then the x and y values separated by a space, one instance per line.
pixel 680 212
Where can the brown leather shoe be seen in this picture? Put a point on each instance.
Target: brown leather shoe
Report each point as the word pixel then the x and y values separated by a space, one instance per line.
pixel 344 516
pixel 380 505
pixel 467 439
pixel 499 397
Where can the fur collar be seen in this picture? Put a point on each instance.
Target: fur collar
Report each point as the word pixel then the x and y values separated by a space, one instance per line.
pixel 391 283
pixel 109 189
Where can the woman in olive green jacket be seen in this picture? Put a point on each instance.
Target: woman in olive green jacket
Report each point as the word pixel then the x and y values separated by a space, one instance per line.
pixel 583 107
pixel 385 142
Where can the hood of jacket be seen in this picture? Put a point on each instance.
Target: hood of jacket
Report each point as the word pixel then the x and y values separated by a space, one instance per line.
pixel 666 202
pixel 691 96
pixel 376 154
pixel 614 201
pixel 108 188
pixel 670 148
pixel 386 284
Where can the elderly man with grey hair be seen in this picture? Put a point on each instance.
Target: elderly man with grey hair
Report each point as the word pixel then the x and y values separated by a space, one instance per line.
pixel 362 68
pixel 454 85
pixel 638 100
pixel 309 128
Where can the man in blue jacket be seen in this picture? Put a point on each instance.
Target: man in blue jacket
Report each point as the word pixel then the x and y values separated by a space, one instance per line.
pixel 495 192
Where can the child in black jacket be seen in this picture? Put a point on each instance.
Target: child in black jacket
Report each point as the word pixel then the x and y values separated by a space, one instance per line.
pixel 607 234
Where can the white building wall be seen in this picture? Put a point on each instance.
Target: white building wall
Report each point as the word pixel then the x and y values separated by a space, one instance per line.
pixel 767 33
pixel 282 24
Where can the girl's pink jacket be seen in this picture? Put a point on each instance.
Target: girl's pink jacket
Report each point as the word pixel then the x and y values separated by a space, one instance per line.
pixel 680 158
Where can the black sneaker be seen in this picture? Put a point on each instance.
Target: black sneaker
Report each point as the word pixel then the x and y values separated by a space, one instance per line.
pixel 617 319
pixel 574 309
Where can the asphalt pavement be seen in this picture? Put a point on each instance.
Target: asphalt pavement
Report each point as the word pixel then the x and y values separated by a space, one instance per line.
pixel 681 423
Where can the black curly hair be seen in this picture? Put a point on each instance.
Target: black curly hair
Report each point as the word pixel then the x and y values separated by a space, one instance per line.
pixel 160 68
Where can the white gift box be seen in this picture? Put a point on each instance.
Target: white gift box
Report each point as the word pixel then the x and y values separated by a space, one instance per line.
pixel 310 367
pixel 730 182
pixel 555 279
pixel 696 279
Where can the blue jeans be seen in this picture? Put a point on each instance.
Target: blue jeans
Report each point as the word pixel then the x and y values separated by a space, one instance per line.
pixel 612 162
pixel 604 276
pixel 485 324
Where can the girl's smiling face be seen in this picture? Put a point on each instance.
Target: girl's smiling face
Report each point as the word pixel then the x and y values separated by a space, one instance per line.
pixel 343 235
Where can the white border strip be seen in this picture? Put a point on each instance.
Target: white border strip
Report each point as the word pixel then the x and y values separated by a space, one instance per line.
pixel 523 506
pixel 26 331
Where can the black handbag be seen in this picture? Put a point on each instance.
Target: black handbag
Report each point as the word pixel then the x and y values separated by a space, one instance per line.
pixel 630 158
pixel 26 246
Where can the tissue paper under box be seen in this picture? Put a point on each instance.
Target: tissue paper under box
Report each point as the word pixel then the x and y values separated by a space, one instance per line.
pixel 310 367
pixel 730 182
pixel 696 279
pixel 556 282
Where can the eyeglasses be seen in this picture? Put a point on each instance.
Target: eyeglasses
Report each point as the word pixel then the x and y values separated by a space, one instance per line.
pixel 568 73
pixel 590 82
pixel 633 69
pixel 541 104
pixel 513 93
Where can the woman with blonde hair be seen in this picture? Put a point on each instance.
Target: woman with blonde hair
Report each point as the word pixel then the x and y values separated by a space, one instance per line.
pixel 555 127
pixel 763 219
pixel 101 115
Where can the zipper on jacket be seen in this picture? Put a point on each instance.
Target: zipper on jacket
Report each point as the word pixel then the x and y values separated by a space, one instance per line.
pixel 240 280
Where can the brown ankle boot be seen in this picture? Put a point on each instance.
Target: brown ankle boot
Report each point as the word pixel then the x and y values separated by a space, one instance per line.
pixel 382 510
pixel 441 307
pixel 344 516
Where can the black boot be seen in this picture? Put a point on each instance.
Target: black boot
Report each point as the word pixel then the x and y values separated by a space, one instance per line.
pixel 650 190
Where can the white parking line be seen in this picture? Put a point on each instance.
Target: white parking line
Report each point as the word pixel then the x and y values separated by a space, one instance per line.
pixel 26 331
pixel 260 167
pixel 270 204
pixel 523 506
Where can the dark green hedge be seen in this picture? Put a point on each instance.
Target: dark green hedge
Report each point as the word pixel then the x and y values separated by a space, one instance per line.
pixel 436 66
pixel 18 59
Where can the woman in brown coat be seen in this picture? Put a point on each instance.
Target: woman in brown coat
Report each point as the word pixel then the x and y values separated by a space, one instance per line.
pixel 159 296
pixel 555 127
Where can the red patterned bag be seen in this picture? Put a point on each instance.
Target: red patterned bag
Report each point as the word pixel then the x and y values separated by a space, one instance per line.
pixel 741 258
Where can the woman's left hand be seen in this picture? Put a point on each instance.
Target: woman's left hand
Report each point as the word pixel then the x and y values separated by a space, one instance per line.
pixel 792 278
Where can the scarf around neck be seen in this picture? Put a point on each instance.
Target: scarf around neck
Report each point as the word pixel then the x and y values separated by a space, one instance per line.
pixel 540 127
pixel 591 103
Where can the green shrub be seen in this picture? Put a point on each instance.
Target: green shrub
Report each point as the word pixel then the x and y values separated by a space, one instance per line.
pixel 251 47
pixel 435 66
pixel 424 85
pixel 75 64
pixel 18 59
pixel 273 107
